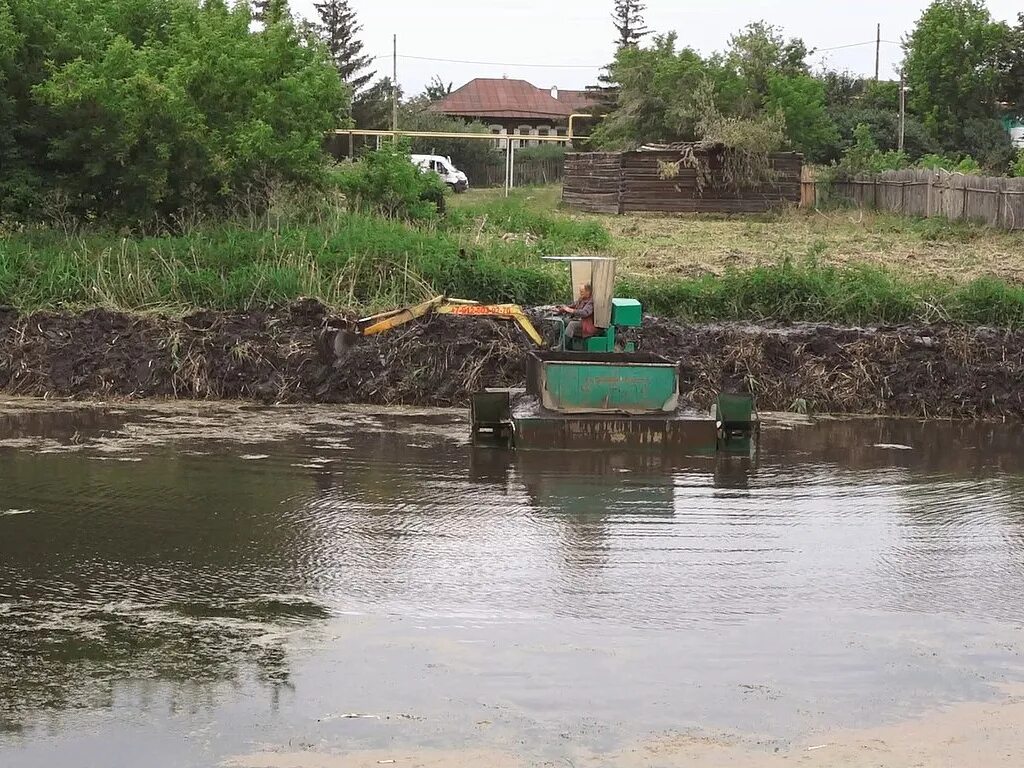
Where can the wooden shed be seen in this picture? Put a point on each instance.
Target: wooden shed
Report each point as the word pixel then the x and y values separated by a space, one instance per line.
pixel 629 182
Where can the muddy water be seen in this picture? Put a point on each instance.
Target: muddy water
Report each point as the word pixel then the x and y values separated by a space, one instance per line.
pixel 192 586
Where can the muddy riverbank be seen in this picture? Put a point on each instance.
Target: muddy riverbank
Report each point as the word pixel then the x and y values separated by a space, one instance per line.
pixel 280 356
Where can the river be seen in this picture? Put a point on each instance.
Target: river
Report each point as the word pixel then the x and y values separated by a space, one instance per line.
pixel 207 585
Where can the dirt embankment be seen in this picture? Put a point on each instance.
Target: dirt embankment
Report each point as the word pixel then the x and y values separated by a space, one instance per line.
pixel 279 356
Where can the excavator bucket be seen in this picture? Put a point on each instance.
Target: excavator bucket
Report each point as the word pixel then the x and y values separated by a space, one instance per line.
pixel 336 343
pixel 344 341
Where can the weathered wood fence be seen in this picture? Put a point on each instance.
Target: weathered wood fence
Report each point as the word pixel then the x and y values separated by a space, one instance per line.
pixel 993 200
pixel 627 182
pixel 529 172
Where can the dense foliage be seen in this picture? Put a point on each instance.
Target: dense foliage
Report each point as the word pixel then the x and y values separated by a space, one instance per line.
pixel 385 183
pixel 964 72
pixel 136 112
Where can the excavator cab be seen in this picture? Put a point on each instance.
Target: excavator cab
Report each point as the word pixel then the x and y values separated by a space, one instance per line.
pixel 611 315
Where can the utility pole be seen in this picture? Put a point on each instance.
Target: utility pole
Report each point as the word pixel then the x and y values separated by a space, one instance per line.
pixel 903 108
pixel 878 52
pixel 394 84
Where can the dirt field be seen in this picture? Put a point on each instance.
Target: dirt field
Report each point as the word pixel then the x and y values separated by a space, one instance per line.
pixel 660 245
pixel 287 356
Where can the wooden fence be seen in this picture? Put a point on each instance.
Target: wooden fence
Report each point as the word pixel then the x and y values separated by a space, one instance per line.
pixel 992 200
pixel 627 182
pixel 527 173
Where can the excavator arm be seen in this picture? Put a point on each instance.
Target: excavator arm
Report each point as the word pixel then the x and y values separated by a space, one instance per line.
pixel 371 326
pixel 386 321
pixel 496 311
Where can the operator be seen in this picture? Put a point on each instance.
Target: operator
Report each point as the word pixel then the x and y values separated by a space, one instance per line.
pixel 582 312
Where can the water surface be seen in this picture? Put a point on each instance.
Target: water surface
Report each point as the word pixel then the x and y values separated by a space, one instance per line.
pixel 190 583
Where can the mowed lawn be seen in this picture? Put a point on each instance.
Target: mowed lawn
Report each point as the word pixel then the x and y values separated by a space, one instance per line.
pixel 691 245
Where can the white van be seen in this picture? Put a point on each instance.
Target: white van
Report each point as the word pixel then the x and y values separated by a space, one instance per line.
pixel 443 167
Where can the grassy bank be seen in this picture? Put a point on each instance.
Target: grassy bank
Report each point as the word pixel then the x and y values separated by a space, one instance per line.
pixel 490 249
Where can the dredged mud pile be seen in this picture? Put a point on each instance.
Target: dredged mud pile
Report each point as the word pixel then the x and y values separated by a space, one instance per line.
pixel 284 355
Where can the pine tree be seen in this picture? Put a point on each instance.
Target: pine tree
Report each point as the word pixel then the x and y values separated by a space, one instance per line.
pixel 628 18
pixel 339 30
pixel 270 11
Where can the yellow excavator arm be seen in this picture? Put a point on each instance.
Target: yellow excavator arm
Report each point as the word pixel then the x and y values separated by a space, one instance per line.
pixel 497 311
pixel 386 321
pixel 371 326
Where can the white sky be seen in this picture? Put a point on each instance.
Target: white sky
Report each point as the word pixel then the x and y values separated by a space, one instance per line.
pixel 579 32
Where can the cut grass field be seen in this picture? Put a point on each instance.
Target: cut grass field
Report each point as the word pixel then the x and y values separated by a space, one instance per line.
pixel 655 245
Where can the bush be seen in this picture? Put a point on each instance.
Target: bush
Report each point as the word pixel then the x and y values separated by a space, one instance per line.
pixel 386 183
pixel 865 156
pixel 884 129
pixel 554 235
pixel 935 162
pixel 134 111
pixel 987 141
pixel 965 164
pixel 1018 166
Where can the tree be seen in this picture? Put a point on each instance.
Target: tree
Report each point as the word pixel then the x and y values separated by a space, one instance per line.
pixel 841 88
pixel 133 110
pixel 269 11
pixel 628 18
pixel 656 97
pixel 952 66
pixel 760 53
pixel 339 30
pixel 809 128
pixel 437 89
pixel 260 8
pixel 1011 91
pixel 371 109
pixel 987 141
pixel 276 12
pixel 883 126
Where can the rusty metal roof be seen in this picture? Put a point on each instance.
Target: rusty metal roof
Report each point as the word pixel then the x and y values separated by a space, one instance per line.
pixel 503 99
pixel 579 101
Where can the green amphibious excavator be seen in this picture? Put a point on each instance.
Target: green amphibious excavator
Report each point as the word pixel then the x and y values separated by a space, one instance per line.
pixel 599 392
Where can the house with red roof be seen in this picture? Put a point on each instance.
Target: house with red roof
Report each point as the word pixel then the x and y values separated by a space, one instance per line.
pixel 515 106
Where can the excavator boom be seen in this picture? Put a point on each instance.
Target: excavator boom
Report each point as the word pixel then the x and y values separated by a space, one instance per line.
pixel 386 321
pixel 496 311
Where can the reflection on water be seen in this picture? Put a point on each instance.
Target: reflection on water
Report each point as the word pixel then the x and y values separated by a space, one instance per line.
pixel 191 580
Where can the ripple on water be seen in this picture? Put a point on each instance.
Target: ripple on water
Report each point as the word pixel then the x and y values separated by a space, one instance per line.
pixel 194 566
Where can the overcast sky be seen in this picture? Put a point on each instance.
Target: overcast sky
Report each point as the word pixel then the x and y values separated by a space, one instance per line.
pixel 566 42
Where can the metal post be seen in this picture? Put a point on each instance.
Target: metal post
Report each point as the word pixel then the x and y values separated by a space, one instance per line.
pixel 508 160
pixel 512 167
pixel 394 85
pixel 878 52
pixel 903 108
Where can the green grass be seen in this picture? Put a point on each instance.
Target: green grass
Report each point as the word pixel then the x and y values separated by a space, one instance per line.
pixel 353 261
pixel 489 249
pixel 809 291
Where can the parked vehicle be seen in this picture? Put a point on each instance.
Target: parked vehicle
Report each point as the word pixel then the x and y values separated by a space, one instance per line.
pixel 444 168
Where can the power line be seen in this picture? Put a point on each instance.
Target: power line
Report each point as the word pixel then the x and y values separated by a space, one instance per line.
pixel 853 45
pixel 438 59
pixel 497 63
